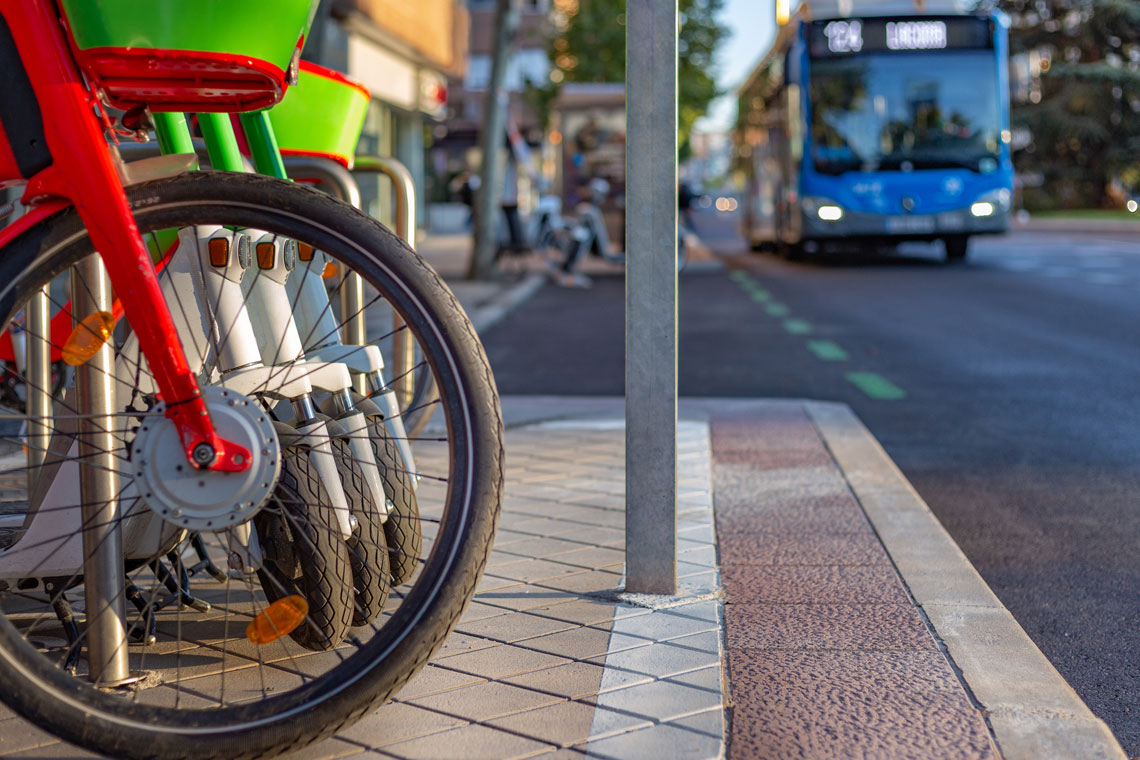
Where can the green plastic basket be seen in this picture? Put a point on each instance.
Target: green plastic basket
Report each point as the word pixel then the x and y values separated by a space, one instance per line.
pixel 321 115
pixel 189 55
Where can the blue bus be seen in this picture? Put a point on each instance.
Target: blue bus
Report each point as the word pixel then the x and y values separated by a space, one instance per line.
pixel 854 132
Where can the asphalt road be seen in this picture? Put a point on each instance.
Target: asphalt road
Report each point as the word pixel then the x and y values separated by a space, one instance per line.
pixel 1005 388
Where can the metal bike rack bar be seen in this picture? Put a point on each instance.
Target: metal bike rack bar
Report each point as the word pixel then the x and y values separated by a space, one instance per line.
pixel 651 297
pixel 38 385
pixel 104 581
pixel 343 186
pixel 404 187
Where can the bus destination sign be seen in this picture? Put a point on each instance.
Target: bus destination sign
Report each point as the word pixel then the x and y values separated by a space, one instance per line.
pixel 843 37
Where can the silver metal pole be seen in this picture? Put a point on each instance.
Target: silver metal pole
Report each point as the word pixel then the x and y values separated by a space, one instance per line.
pixel 403 347
pixel 651 297
pixel 103 574
pixel 38 384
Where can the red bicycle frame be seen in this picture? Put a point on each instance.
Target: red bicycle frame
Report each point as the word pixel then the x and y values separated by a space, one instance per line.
pixel 80 169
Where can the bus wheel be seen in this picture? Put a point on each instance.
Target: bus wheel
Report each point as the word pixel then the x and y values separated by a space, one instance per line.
pixel 792 251
pixel 957 247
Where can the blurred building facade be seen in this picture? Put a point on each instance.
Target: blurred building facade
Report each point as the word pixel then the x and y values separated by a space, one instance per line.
pixel 405 54
pixel 454 154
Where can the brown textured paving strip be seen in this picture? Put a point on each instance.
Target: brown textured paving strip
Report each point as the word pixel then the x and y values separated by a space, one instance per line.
pixel 815 584
pixel 796 520
pixel 801 549
pixel 848 704
pixel 827 655
pixel 864 627
pixel 776 460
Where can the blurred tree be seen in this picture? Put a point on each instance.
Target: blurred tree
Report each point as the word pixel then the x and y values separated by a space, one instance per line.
pixel 1086 124
pixel 589 46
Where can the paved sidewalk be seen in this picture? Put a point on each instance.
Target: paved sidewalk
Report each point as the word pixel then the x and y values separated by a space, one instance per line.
pixel 848 625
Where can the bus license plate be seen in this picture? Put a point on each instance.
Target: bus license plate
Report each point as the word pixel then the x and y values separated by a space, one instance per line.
pixel 910 224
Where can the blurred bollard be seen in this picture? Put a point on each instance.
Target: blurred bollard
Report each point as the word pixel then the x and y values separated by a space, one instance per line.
pixel 651 297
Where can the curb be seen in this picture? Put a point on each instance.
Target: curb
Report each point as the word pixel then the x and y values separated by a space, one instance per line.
pixel 1031 709
pixel 487 315
pixel 1085 226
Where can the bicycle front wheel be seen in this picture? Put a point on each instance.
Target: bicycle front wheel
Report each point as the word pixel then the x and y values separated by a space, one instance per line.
pixel 208 687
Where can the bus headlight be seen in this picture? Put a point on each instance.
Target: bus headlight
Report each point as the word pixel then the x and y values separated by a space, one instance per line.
pixel 822 208
pixel 993 202
pixel 829 213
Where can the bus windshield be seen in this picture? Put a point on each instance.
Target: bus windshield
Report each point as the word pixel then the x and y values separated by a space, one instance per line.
pixel 904 110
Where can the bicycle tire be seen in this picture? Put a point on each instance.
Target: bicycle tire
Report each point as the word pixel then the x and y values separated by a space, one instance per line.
pixel 368 552
pixel 311 561
pixel 447 577
pixel 403 531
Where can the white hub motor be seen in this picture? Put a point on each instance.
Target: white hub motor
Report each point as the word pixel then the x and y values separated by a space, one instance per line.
pixel 207 500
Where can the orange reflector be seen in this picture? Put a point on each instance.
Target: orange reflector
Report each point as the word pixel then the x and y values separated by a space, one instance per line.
pixel 266 253
pixel 304 252
pixel 277 620
pixel 219 252
pixel 330 270
pixel 88 337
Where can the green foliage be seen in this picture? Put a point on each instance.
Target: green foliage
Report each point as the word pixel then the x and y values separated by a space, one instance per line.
pixel 589 46
pixel 1086 126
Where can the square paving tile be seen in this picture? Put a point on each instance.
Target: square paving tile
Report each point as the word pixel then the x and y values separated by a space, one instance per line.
pixel 532 570
pixel 659 625
pixel 459 642
pixel 581 642
pixel 709 641
pixel 592 558
pixel 569 723
pixel 658 660
pixel 501 661
pixel 17 735
pixel 540 548
pixel 469 742
pixel 660 701
pixel 710 722
pixel 706 678
pixel 656 742
pixel 485 701
pixel 479 611
pixel 585 582
pixel 583 611
pixel 514 626
pixel 577 680
pixel 708 611
pixel 433 680
pixel 525 597
pixel 397 722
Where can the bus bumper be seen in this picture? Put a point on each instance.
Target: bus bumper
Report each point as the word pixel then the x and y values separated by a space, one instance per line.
pixel 905 226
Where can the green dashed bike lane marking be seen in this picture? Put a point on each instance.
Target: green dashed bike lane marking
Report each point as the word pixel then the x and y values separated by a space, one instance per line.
pixel 827 350
pixel 797 326
pixel 876 386
pixel 872 384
